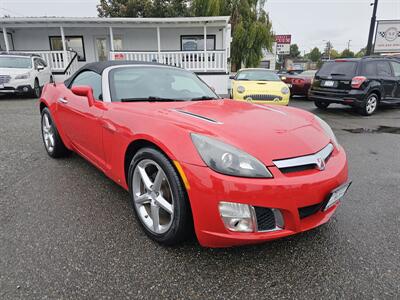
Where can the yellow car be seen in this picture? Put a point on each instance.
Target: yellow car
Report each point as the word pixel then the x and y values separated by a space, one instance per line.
pixel 259 86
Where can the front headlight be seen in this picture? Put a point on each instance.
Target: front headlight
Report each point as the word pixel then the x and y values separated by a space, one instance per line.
pixel 22 76
pixel 285 90
pixel 240 89
pixel 328 130
pixel 228 160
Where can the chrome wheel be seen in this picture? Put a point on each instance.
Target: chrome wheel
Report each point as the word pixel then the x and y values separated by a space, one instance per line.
pixel 372 103
pixel 152 195
pixel 48 133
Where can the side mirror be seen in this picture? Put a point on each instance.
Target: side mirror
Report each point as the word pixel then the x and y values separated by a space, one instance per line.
pixel 84 91
pixel 232 77
pixel 40 68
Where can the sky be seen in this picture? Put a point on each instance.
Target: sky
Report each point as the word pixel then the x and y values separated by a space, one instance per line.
pixel 310 22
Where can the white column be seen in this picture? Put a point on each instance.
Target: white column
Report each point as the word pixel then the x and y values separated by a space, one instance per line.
pixel 224 47
pixel 64 45
pixel 205 48
pixel 158 44
pixel 6 39
pixel 111 39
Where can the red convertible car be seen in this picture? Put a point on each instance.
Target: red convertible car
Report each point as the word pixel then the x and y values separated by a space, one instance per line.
pixel 233 172
pixel 299 84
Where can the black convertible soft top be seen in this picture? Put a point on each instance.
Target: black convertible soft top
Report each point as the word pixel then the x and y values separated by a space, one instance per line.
pixel 99 67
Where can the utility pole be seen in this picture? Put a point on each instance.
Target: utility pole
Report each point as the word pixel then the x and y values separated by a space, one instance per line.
pixel 372 28
pixel 348 45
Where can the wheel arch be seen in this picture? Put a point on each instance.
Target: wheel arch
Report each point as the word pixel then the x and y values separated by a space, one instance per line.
pixel 137 144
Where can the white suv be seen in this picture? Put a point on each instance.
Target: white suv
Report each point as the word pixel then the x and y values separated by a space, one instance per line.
pixel 23 74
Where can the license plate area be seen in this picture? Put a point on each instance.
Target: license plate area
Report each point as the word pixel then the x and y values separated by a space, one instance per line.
pixel 336 195
pixel 328 83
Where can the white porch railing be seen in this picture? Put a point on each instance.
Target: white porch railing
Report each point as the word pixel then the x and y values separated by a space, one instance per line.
pixel 59 61
pixel 210 61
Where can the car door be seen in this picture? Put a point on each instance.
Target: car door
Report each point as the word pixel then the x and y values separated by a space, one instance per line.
pixel 46 71
pixel 82 121
pixel 396 73
pixel 40 73
pixel 384 73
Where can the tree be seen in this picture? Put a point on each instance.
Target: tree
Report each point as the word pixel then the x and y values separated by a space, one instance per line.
pixel 334 54
pixel 143 8
pixel 294 51
pixel 315 54
pixel 346 53
pixel 251 27
pixel 250 23
pixel 362 52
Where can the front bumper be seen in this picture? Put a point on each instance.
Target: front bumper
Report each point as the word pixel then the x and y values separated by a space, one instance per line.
pixel 21 89
pixel 286 192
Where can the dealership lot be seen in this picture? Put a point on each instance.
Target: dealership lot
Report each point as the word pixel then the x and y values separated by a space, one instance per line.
pixel 67 231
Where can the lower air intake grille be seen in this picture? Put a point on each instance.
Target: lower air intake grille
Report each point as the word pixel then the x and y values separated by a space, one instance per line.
pixel 265 218
pixel 263 97
pixel 309 210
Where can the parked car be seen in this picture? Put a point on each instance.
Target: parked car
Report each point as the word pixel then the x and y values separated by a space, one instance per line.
pixel 23 74
pixel 259 86
pixel 238 172
pixel 299 84
pixel 364 83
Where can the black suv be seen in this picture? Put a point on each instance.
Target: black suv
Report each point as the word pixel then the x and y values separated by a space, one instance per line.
pixel 363 83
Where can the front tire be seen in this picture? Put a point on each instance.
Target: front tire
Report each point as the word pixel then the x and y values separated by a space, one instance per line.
pixel 36 89
pixel 321 104
pixel 53 144
pixel 370 105
pixel 159 197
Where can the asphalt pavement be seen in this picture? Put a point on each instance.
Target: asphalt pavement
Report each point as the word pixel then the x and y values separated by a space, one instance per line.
pixel 67 231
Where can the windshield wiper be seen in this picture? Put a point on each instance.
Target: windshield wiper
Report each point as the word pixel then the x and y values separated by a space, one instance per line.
pixel 338 74
pixel 149 99
pixel 203 98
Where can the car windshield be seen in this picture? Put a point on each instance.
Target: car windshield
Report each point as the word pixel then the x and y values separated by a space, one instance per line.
pixel 15 62
pixel 257 75
pixel 151 83
pixel 338 68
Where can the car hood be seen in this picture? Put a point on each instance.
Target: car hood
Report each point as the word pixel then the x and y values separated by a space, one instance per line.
pixel 13 71
pixel 260 86
pixel 266 132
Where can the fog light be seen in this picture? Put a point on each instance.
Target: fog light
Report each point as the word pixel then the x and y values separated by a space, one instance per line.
pixel 25 89
pixel 237 217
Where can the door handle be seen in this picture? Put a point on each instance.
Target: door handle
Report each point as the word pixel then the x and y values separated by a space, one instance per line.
pixel 62 100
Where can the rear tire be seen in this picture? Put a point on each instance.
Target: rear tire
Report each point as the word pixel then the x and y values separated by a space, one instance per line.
pixel 321 104
pixel 370 105
pixel 53 144
pixel 160 205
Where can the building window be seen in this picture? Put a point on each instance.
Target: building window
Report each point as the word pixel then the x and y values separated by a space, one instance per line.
pixel 196 42
pixel 73 43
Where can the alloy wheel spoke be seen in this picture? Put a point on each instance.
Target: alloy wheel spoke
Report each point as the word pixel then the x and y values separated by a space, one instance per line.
pixel 145 178
pixel 158 181
pixel 164 204
pixel 46 121
pixel 142 199
pixel 51 140
pixel 155 216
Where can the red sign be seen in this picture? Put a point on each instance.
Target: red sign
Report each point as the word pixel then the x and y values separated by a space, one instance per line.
pixel 283 39
pixel 119 56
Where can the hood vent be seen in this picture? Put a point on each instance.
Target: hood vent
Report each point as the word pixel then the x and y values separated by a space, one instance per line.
pixel 197 116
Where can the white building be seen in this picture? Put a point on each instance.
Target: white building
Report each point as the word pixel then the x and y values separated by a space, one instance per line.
pixel 68 43
pixel 269 58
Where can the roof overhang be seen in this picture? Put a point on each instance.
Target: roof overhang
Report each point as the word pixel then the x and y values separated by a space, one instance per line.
pixel 29 22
